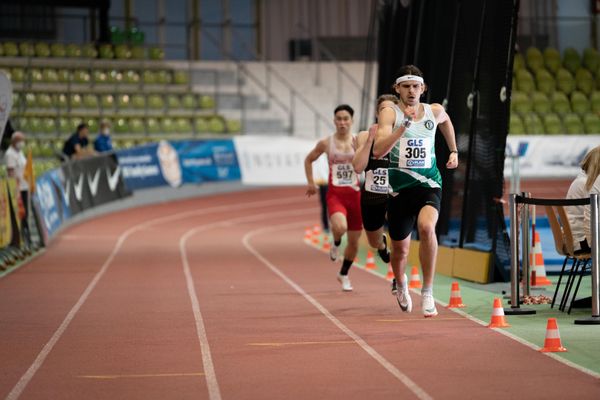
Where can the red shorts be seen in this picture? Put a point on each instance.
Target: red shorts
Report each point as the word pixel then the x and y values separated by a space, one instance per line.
pixel 348 203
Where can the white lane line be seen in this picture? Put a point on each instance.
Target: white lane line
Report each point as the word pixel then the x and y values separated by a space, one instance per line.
pixel 17 390
pixel 506 333
pixel 214 393
pixel 409 383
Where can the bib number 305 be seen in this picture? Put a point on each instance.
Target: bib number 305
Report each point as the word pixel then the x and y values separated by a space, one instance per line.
pixel 415 153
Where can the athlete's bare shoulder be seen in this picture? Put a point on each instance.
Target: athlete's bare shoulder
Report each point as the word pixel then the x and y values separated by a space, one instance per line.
pixel 386 116
pixel 439 112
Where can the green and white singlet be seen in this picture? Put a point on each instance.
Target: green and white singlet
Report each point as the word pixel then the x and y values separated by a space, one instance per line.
pixel 412 159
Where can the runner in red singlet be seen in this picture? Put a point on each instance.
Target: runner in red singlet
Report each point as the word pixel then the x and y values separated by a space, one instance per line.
pixel 343 195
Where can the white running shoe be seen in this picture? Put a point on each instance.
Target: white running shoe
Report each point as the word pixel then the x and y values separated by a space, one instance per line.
pixel 403 297
pixel 345 281
pixel 428 304
pixel 334 252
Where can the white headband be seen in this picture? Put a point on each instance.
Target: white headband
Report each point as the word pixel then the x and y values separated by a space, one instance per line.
pixel 405 78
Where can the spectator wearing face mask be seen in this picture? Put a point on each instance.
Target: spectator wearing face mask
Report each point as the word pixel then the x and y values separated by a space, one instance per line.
pixel 103 142
pixel 16 162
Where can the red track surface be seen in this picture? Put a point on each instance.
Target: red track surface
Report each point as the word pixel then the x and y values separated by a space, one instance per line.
pixel 108 312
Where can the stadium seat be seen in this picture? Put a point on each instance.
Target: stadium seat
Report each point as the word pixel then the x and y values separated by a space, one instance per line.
pixel 545 81
pixel 520 102
pixel 92 124
pixel 17 74
pixel 23 124
pixel 168 125
pixel 173 101
pixel 136 125
pixel 26 49
pixel 30 100
pixel 595 101
pixel 525 82
pixel 106 51
pixel 44 100
pixel 81 76
pixel 180 77
pixel 591 59
pixel 121 125
pixel 48 125
pixel 188 101
pixel 11 49
pixel 152 125
pixel 122 52
pixel 42 49
pixel 76 101
pixel 90 101
pixel 571 60
pixel 123 101
pixel 579 103
pixel 73 50
pixel 64 75
pixel 541 103
pixel 148 77
pixel 138 101
pixel 564 81
pixel 591 123
pixel 206 102
pixel 183 125
pixel 519 62
pixel 572 124
pixel 155 101
pixel 201 125
pixel 107 101
pixel 552 59
pixel 584 81
pixel 235 125
pixel 49 75
pixel 136 36
pixel 156 53
pixel 138 53
pixel 216 124
pixel 88 50
pixel 35 74
pixel 535 59
pixel 35 125
pixel 552 124
pixel 58 50
pixel 61 100
pixel 63 125
pixel 560 103
pixel 533 124
pixel 163 77
pixel 100 76
pixel 115 76
pixel 131 76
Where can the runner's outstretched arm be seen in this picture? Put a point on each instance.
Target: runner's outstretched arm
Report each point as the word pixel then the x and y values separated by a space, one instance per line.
pixel 386 137
pixel 363 143
pixel 314 154
pixel 447 129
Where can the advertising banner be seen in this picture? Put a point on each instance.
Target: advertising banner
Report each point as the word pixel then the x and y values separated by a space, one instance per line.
pixel 5 219
pixel 277 160
pixel 6 99
pixel 52 200
pixel 207 160
pixel 141 168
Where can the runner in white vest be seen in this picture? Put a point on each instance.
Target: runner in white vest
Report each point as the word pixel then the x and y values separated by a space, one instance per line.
pixel 415 180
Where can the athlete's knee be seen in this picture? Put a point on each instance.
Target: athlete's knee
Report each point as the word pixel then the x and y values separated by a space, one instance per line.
pixel 399 249
pixel 426 230
pixel 375 239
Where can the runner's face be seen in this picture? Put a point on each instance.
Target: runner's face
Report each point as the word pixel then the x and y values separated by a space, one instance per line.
pixel 410 92
pixel 343 121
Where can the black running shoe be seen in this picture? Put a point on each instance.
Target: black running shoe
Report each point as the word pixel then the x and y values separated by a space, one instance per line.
pixel 385 253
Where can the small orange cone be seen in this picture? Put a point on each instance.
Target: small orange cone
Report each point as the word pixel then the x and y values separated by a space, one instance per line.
pixel 552 342
pixel 536 261
pixel 308 234
pixel 455 297
pixel 370 261
pixel 326 246
pixel 390 273
pixel 316 230
pixel 498 320
pixel 415 279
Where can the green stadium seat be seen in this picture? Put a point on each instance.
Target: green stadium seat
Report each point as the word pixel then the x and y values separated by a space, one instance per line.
pixel 188 101
pixel 30 100
pixel 107 101
pixel 136 125
pixel 235 125
pixel 73 50
pixel 591 123
pixel 62 101
pixel 90 100
pixel 545 81
pixel 49 75
pixel 183 125
pixel 564 81
pixel 591 59
pixel 121 125
pixel 11 49
pixel 595 101
pixel 92 124
pixel 106 51
pixel 138 53
pixel 552 59
pixel 81 76
pixel 138 101
pixel 117 36
pixel 216 124
pixel 206 101
pixel 63 124
pixel 584 81
pixel 173 101
pixel 17 74
pixel 58 50
pixel 156 53
pixel 533 124
pixel 163 77
pixel 168 125
pixel 42 49
pixel 115 76
pixel 572 124
pixel 535 59
pixel 571 60
pixel 541 103
pixel 35 74
pixel 88 50
pixel 123 101
pixel 131 77
pixel 519 62
pixel 579 103
pixel 122 52
pixel 48 125
pixel 22 124
pixel 26 49
pixel 525 82
pixel 136 37
pixel 73 122
pixel 201 125
pixel 180 77
pixel 16 98
pixel 149 77
pixel 560 103
pixel 35 125
pixel 64 75
pixel 44 100
pixel 76 101
pixel 552 124
pixel 99 76
pixel 153 126
pixel 155 101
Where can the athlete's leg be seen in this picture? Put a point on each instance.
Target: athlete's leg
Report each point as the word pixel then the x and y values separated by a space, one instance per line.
pixel 400 258
pixel 352 245
pixel 338 225
pixel 428 247
pixel 375 238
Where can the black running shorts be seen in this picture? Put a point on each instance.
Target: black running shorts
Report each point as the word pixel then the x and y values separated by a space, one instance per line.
pixel 404 208
pixel 373 215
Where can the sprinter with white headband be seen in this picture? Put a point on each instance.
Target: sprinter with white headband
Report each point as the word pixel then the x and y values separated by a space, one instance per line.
pixel 415 180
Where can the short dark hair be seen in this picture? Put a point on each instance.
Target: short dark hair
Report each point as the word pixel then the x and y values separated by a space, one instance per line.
pixel 82 126
pixel 409 70
pixel 344 107
pixel 387 97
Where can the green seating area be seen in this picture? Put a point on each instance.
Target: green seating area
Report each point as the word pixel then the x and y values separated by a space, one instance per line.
pixel 119 51
pixel 555 95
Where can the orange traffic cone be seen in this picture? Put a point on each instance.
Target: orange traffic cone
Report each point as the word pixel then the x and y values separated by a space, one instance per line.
pixel 455 297
pixel 390 273
pixel 552 342
pixel 326 246
pixel 533 280
pixel 498 320
pixel 415 279
pixel 308 234
pixel 370 261
pixel 536 260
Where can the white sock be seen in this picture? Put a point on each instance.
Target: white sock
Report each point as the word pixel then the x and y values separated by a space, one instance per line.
pixel 427 290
